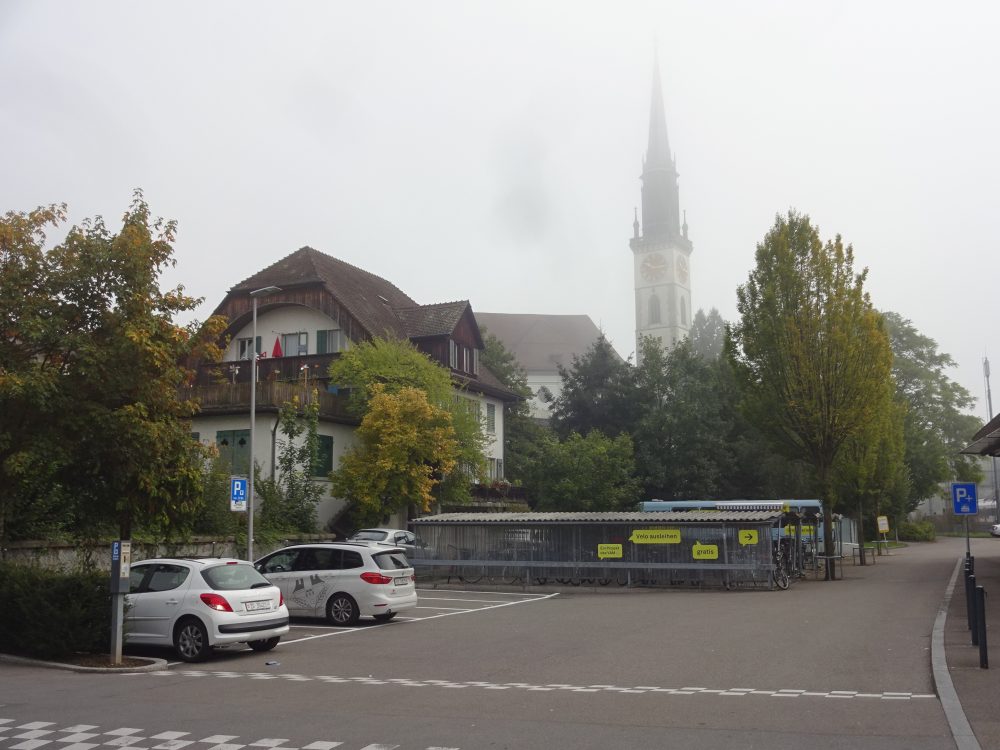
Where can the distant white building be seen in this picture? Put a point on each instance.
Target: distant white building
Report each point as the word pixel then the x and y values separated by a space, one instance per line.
pixel 542 343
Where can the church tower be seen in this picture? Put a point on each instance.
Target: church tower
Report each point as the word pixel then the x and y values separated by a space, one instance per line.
pixel 660 245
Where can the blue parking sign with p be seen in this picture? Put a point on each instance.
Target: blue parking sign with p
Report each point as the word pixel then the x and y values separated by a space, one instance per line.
pixel 964 499
pixel 238 493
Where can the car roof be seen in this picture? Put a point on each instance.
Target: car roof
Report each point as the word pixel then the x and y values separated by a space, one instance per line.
pixel 196 560
pixel 370 545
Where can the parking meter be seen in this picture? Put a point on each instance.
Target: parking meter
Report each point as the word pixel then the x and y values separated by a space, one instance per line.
pixel 121 561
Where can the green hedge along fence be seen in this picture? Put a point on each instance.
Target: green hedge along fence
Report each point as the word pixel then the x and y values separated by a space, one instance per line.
pixel 47 614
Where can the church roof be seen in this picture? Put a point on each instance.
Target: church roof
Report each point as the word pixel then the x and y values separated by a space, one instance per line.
pixel 542 342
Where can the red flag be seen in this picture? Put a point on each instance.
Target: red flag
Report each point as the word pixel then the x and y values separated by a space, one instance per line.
pixel 276 352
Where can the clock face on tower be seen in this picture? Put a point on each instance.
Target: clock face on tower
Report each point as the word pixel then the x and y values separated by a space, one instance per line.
pixel 682 269
pixel 654 267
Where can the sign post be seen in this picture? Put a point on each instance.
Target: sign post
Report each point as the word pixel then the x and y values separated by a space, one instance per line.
pixel 121 561
pixel 965 502
pixel 238 493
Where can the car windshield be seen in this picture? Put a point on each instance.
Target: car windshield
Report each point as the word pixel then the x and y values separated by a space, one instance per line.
pixel 370 535
pixel 233 577
pixel 391 560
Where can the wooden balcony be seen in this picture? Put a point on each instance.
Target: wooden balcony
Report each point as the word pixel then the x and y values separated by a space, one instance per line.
pixel 234 398
pixel 315 366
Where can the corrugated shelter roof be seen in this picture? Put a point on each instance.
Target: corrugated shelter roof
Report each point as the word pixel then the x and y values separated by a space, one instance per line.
pixel 650 517
pixel 542 342
pixel 986 442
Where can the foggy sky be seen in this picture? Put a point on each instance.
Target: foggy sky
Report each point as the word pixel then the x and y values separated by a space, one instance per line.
pixel 491 151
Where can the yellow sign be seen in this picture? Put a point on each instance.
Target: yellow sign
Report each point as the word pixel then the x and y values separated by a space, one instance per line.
pixel 705 551
pixel 748 536
pixel 883 524
pixel 806 530
pixel 604 551
pixel 656 536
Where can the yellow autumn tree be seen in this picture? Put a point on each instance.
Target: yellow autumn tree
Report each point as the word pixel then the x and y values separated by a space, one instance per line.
pixel 405 446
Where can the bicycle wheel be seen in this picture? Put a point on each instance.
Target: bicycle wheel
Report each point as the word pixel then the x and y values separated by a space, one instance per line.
pixel 471 576
pixel 781 577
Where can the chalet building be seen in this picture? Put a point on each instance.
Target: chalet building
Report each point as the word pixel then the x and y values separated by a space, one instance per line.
pixel 320 307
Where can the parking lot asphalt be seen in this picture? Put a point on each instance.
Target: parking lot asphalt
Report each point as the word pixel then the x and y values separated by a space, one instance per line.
pixel 714 656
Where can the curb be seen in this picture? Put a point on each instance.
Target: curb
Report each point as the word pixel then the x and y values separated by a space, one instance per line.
pixel 155 665
pixel 961 730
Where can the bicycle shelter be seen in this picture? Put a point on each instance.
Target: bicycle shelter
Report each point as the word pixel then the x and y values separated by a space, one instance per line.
pixel 705 548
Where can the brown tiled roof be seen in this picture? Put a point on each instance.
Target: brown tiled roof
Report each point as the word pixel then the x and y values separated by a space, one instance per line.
pixel 369 298
pixel 432 320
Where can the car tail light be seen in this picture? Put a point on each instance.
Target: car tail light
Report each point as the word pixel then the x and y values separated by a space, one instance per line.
pixel 216 602
pixel 370 577
pixel 281 598
pixel 414 578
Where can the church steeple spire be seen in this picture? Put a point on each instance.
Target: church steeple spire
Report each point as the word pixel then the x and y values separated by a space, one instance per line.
pixel 660 199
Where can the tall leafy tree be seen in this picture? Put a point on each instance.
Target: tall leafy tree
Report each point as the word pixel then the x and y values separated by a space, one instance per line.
pixel 91 367
pixel 937 424
pixel 390 366
pixel 810 351
pixel 583 473
pixel 406 445
pixel 708 334
pixel 598 393
pixel 680 434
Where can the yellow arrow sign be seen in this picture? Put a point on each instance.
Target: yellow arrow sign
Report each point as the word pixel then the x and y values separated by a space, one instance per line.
pixel 605 551
pixel 748 536
pixel 705 551
pixel 656 536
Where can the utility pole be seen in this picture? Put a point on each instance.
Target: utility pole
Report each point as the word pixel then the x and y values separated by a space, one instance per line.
pixel 989 409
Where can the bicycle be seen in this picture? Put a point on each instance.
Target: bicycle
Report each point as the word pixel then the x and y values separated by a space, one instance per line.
pixel 780 573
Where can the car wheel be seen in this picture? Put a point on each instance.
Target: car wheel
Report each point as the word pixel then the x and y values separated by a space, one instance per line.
pixel 265 645
pixel 191 640
pixel 342 610
pixel 385 617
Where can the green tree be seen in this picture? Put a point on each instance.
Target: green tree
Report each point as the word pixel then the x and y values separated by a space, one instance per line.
pixel 405 446
pixel 680 435
pixel 391 366
pixel 591 473
pixel 708 334
pixel 598 393
pixel 289 499
pixel 91 364
pixel 936 425
pixel 809 349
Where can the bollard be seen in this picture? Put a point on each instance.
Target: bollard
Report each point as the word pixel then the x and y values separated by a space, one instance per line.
pixel 969 594
pixel 975 614
pixel 984 659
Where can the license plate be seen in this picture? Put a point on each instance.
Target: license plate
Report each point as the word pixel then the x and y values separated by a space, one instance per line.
pixel 257 606
pixel 402 581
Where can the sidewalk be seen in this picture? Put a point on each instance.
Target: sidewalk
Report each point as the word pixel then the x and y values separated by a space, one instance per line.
pixel 978 689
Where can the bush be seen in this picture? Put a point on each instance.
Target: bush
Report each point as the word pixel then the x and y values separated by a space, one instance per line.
pixel 919 531
pixel 48 614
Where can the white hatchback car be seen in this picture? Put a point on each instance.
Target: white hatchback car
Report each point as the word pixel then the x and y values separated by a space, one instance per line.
pixel 342 581
pixel 195 604
pixel 415 547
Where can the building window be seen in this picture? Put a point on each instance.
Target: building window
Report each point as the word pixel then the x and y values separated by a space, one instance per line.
pixel 654 310
pixel 243 347
pixel 294 344
pixel 491 418
pixel 331 341
pixel 234 450
pixel 324 456
pixel 452 354
pixel 475 361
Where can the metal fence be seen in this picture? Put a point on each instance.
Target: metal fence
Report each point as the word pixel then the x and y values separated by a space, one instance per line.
pixel 643 548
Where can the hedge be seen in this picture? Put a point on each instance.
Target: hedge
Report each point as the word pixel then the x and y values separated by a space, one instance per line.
pixel 48 614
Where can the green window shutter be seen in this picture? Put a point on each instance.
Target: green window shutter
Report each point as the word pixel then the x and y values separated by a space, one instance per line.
pixel 324 456
pixel 257 345
pixel 321 342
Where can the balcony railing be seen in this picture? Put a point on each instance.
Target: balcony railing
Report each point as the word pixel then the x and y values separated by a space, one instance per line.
pixel 228 398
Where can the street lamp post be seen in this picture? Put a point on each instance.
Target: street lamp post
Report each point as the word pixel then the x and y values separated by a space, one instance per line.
pixel 254 296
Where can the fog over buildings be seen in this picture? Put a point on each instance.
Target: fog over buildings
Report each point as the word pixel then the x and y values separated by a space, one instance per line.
pixel 491 151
